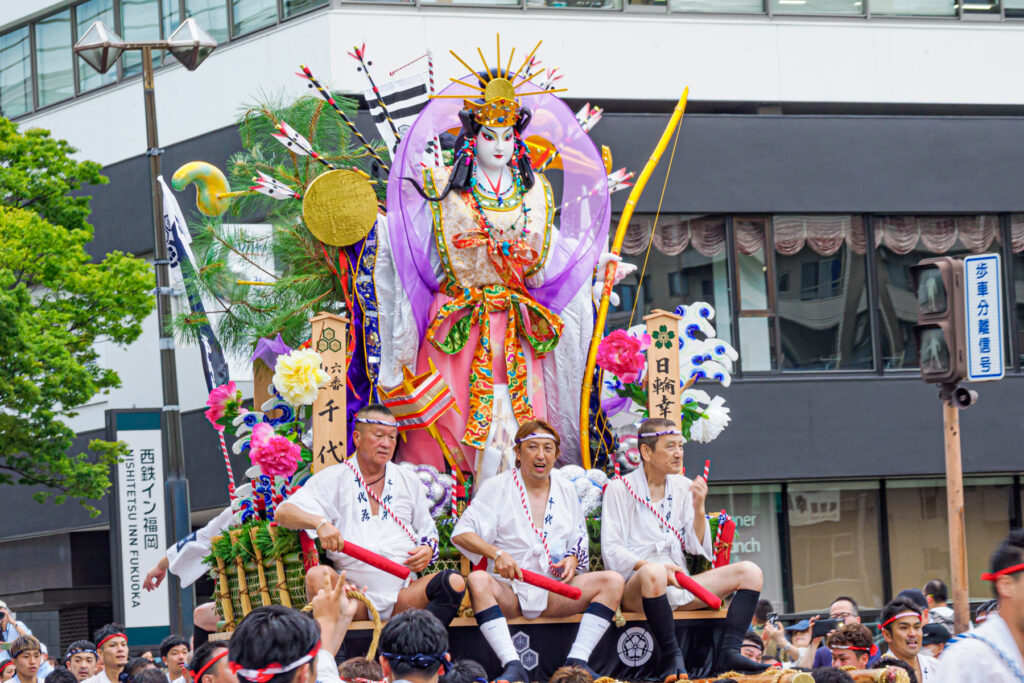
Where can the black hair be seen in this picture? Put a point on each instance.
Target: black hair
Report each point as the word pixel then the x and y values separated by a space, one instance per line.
pixel 915 596
pixel 203 654
pixel 937 589
pixel 826 674
pixel 414 642
pixel 649 426
pixel 172 641
pixel 81 645
pixel 361 667
pixel 107 630
pixel 891 660
pixel 755 639
pixel 985 608
pixel 763 609
pixel 1009 553
pixel 853 603
pixel 137 665
pixel 273 634
pixel 150 676
pixel 894 607
pixel 464 671
pixel 463 163
pixel 60 675
pixel 855 635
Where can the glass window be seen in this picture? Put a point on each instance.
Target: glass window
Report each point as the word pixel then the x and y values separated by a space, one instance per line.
pixel 212 15
pixel 717 6
pixel 85 15
pixel 54 77
pixel 834 545
pixel 818 6
pixel 140 20
pixel 172 19
pixel 919 530
pixel 15 73
pixel 915 8
pixel 822 299
pixel 902 242
pixel 687 263
pixel 293 7
pixel 755 509
pixel 250 15
pixel 1013 8
pixel 1017 302
pixel 757 348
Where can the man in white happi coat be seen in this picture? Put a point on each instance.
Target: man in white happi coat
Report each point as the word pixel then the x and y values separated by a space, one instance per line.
pixel 994 651
pixel 525 518
pixel 901 622
pixel 648 519
pixel 382 507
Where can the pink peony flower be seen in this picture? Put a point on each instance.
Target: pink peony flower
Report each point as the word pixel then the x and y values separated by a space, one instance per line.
pixel 218 402
pixel 622 354
pixel 276 455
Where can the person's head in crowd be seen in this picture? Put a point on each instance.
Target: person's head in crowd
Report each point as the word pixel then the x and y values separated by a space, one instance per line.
pixel 771 660
pixel 761 612
pixel 752 647
pixel 360 669
pixel 375 434
pixel 413 646
pixel 889 660
pixel 851 645
pixel 60 675
pixel 826 674
pixel 275 644
pixel 148 654
pixel 210 664
pixel 27 656
pixel 845 609
pixel 80 659
pixel 799 634
pixel 137 665
pixel 985 609
pixel 571 674
pixel 920 601
pixel 1006 573
pixel 933 639
pixel 174 652
pixel 151 675
pixel 6 669
pixel 112 644
pixel 662 453
pixel 900 623
pixel 52 661
pixel 538 446
pixel 464 671
pixel 936 593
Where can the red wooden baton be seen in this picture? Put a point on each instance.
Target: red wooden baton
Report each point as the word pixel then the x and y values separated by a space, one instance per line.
pixel 553 585
pixel 699 591
pixel 374 560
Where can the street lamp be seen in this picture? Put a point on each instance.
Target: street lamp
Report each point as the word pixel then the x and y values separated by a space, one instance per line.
pixel 100 48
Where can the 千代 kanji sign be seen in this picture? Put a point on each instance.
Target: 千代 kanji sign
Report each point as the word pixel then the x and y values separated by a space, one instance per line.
pixel 983 320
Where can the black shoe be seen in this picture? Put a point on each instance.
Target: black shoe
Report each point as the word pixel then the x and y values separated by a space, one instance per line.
pixel 671 668
pixel 514 672
pixel 731 660
pixel 572 661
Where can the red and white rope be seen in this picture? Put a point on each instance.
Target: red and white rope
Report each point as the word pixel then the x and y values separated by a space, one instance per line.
pixel 381 503
pixel 654 511
pixel 430 81
pixel 227 465
pixel 408 64
pixel 529 515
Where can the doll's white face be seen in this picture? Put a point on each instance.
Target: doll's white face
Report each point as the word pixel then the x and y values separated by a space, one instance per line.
pixel 494 148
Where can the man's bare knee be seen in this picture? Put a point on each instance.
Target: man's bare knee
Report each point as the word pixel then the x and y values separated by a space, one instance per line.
pixel 653 578
pixel 205 617
pixel 479 582
pixel 317 578
pixel 456 582
pixel 751 576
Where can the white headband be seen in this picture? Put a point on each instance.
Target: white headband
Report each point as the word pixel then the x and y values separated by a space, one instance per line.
pixel 535 435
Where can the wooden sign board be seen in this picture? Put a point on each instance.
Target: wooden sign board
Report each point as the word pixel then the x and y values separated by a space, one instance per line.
pixel 330 424
pixel 663 390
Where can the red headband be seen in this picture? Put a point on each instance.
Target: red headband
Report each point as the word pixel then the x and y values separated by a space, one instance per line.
pixel 992 576
pixel 4 664
pixel 900 616
pixel 112 635
pixel 198 676
pixel 264 674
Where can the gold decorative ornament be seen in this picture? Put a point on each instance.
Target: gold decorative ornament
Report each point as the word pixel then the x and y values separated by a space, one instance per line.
pixel 339 207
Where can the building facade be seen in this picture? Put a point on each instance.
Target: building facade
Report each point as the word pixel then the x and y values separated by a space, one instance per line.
pixel 828 146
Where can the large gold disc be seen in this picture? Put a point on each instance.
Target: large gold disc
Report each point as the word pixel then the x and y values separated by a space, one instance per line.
pixel 340 207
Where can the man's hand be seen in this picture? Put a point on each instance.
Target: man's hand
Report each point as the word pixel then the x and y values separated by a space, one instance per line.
pixel 330 537
pixel 775 633
pixel 672 569
pixel 567 568
pixel 156 575
pixel 507 568
pixel 699 491
pixel 419 558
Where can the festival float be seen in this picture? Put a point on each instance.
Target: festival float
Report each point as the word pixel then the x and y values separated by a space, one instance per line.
pixel 465 312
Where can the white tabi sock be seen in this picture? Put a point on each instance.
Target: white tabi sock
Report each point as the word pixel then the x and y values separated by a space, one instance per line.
pixel 592 626
pixel 498 637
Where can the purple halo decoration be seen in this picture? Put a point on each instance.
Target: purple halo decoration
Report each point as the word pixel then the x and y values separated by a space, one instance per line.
pixel 581 224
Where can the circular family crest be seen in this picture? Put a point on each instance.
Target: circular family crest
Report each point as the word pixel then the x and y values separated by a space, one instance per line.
pixel 635 646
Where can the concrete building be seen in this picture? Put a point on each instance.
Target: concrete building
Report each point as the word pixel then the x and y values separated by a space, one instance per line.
pixel 828 145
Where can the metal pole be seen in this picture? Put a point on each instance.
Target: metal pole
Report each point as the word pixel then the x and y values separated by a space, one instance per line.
pixel 955 513
pixel 181 601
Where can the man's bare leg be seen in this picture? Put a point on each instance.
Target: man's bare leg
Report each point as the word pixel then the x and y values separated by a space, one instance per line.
pixel 439 593
pixel 647 590
pixel 321 577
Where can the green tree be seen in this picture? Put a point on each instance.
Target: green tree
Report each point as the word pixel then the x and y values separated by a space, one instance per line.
pixel 56 303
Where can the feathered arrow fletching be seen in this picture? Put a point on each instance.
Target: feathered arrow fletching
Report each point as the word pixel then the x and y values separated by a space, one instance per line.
pixel 273 188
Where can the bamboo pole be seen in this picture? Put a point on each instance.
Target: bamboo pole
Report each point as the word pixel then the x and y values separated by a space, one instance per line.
pixel 264 589
pixel 243 590
pixel 282 582
pixel 609 276
pixel 225 593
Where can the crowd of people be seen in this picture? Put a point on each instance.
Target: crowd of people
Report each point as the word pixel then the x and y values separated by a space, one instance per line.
pixel 526 520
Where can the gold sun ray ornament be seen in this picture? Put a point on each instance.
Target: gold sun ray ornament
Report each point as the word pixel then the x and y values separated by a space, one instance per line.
pixel 499 106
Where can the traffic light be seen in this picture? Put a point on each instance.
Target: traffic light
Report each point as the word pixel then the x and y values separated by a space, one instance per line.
pixel 940 335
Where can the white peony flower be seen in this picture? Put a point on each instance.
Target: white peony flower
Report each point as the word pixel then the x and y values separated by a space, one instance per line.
pixel 708 428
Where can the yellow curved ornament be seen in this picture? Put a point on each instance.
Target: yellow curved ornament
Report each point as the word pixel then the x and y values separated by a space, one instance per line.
pixel 609 274
pixel 339 207
pixel 213 195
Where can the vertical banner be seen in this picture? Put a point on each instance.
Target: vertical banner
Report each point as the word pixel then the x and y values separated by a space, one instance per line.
pixel 139 525
pixel 983 305
pixel 663 399
pixel 330 426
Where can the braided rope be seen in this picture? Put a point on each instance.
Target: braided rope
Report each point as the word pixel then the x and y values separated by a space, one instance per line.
pixel 529 515
pixel 227 465
pixel 408 64
pixel 378 625
pixel 654 511
pixel 381 503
